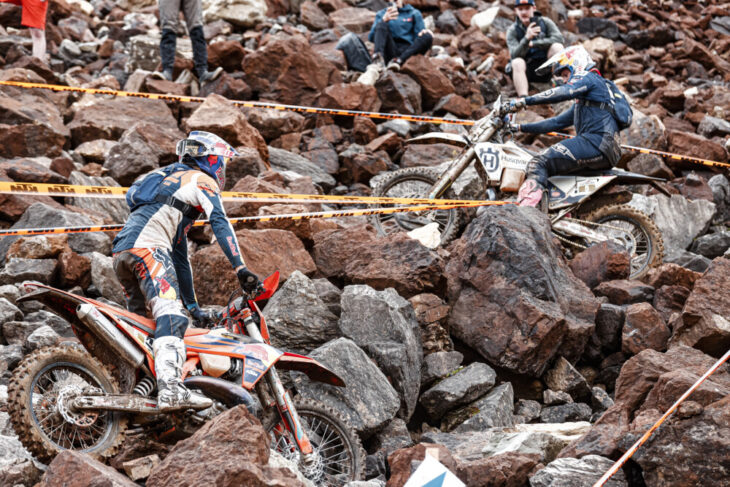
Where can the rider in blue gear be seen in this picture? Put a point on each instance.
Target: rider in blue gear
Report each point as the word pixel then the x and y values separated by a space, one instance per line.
pixel 596 145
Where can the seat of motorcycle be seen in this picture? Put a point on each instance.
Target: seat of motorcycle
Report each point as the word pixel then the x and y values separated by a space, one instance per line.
pixel 191 332
pixel 621 173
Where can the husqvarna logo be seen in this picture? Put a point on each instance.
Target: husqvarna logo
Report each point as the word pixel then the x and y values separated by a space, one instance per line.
pixel 489 158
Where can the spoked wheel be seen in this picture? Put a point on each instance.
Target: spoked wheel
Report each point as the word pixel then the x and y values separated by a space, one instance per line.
pixel 339 457
pixel 40 402
pixel 415 182
pixel 636 231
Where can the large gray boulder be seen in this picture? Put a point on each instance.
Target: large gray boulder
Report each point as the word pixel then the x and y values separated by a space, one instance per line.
pixel 17 270
pixel 17 466
pixel 104 278
pixel 384 325
pixel 115 208
pixel 456 390
pixel 283 160
pixel 368 402
pixel 40 215
pixel 8 311
pixel 679 219
pixel 298 320
pixel 574 472
pixel 496 409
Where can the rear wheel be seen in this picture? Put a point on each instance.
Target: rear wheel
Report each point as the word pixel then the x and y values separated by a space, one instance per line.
pixel 40 403
pixel 637 233
pixel 415 182
pixel 341 458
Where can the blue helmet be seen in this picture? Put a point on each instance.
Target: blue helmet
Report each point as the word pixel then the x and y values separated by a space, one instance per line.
pixel 209 152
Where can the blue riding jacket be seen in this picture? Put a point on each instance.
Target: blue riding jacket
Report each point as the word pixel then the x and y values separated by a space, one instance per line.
pixel 593 124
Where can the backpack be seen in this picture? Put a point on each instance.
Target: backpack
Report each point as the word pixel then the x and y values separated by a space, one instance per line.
pixel 619 106
pixel 145 191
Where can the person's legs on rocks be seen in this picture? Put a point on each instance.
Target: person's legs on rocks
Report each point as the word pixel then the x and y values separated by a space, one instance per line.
pixel 421 45
pixel 519 76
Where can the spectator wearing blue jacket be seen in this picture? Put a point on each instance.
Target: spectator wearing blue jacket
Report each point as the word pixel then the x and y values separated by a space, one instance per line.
pixel 398 33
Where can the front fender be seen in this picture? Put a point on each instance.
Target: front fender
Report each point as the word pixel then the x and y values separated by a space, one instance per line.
pixel 313 369
pixel 439 137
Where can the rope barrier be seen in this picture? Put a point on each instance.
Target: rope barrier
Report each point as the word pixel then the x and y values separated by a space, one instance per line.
pixel 264 218
pixel 117 192
pixel 619 463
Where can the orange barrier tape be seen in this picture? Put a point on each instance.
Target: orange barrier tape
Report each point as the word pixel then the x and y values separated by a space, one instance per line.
pixel 326 111
pixel 70 190
pixel 289 216
pixel 614 468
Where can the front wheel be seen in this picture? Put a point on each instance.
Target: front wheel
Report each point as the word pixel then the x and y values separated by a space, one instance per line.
pixel 40 403
pixel 415 182
pixel 340 456
pixel 637 233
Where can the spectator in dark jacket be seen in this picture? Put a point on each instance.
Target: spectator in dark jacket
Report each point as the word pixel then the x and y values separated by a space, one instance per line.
pixel 531 40
pixel 398 33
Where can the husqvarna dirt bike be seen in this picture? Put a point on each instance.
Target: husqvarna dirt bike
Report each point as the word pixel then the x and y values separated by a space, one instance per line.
pixel 584 208
pixel 84 397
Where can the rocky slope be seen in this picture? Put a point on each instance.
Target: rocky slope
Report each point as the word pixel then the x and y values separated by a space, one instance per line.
pixel 519 367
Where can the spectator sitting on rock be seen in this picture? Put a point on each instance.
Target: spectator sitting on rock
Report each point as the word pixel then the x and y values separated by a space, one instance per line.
pixel 34 17
pixel 398 33
pixel 531 40
pixel 169 14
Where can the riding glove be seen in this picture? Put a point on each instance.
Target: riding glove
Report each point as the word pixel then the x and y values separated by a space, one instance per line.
pixel 248 280
pixel 203 318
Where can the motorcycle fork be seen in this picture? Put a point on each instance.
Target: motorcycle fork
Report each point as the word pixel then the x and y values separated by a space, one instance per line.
pixel 446 179
pixel 284 403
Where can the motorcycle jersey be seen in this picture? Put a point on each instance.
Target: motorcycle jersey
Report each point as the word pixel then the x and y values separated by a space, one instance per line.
pixel 159 225
pixel 593 124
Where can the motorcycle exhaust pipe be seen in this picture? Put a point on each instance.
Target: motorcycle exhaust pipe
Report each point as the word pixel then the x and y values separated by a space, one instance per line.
pixel 226 392
pixel 110 335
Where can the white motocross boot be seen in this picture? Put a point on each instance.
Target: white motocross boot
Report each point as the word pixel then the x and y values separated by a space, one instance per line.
pixel 172 395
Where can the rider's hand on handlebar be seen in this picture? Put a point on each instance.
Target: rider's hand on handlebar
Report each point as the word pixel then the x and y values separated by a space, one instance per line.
pixel 204 318
pixel 516 104
pixel 248 280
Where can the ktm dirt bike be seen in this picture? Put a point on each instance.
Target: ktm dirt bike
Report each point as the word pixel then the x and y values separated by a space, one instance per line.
pixel 83 397
pixel 584 208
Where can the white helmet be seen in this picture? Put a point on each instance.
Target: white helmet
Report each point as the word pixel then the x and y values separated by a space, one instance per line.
pixel 574 58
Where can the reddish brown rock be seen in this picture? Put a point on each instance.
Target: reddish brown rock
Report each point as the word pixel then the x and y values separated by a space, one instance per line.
pixel 334 248
pixel 400 461
pixel 63 166
pixel 247 163
pixel 505 470
pixel 74 270
pixel 624 291
pixel 31 125
pixel 289 71
pixel 696 145
pixel 669 300
pixel 671 274
pixel 389 142
pixel 219 116
pixel 198 460
pixel 274 123
pixel 74 469
pixel 154 85
pixel 31 171
pixel 602 262
pixel 671 372
pixel 92 121
pixel 399 262
pixel 264 251
pixel 350 96
pixel 399 93
pixel 650 165
pixel 313 17
pixel 514 299
pixel 226 54
pixel 227 86
pixel 300 228
pixel 360 168
pixel 454 104
pixel 354 19
pixel 643 328
pixel 364 130
pixel 428 154
pixel 705 319
pixel 250 184
pixel 434 85
pixel 38 247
